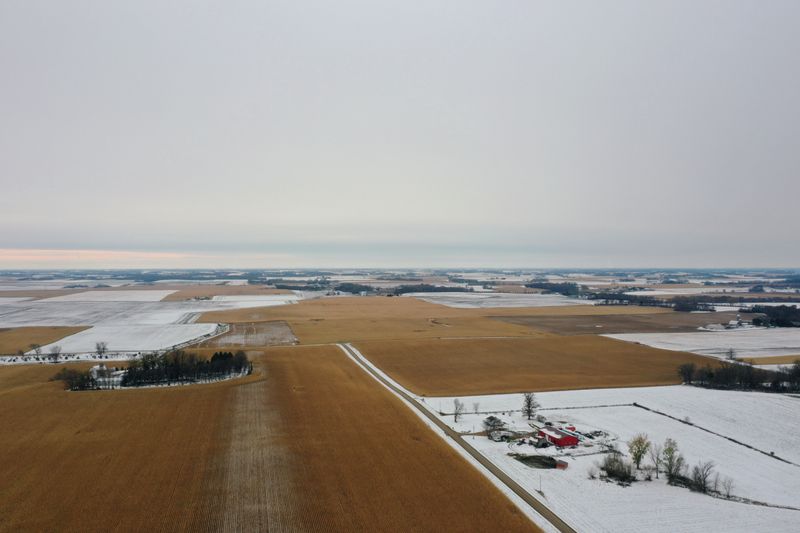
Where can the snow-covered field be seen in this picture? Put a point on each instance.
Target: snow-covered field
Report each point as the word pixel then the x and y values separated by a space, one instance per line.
pixel 767 422
pixel 133 338
pixel 496 299
pixel 753 342
pixel 130 324
pixel 10 284
pixel 113 296
pixel 688 291
pixel 729 307
pixel 11 300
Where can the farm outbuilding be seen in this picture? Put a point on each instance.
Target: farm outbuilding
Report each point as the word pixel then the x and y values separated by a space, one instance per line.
pixel 557 437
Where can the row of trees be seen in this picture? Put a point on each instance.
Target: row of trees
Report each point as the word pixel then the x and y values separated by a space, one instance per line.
pixel 668 459
pixel 567 289
pixel 180 366
pixel 529 407
pixel 153 369
pixel 742 376
pixel 425 287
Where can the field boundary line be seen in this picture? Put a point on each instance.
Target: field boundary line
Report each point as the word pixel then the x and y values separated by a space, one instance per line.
pixel 731 439
pixel 541 509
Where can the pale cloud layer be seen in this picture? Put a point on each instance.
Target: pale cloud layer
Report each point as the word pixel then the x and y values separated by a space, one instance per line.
pixel 471 133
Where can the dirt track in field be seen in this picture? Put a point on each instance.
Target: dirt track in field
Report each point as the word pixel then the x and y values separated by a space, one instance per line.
pixel 13 339
pixel 599 324
pixel 452 367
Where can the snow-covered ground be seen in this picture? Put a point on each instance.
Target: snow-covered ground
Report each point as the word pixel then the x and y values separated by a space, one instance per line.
pixel 133 338
pixel 688 291
pixel 496 299
pixel 11 300
pixel 10 284
pixel 751 342
pixel 594 505
pixel 134 324
pixel 113 296
pixel 260 299
pixel 730 307
pixel 701 421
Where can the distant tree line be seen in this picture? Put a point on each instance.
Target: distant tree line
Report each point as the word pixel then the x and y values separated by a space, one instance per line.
pixel 424 287
pixel 306 287
pixel 781 316
pixel 567 289
pixel 687 304
pixel 620 298
pixel 354 288
pixel 742 376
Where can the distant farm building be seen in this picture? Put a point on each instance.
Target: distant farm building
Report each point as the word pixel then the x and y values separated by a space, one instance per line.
pixel 557 437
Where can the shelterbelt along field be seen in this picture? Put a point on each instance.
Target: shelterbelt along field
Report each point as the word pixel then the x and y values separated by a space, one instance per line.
pixel 400 400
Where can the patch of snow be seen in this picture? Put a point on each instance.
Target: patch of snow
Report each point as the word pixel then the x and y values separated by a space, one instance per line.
pixel 748 342
pixel 471 300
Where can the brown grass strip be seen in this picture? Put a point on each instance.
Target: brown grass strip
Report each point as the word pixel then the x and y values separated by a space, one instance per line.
pixel 13 339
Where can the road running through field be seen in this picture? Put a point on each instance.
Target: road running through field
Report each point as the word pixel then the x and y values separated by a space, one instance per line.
pixel 512 485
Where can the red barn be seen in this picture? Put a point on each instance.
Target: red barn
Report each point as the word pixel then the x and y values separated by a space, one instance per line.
pixel 557 437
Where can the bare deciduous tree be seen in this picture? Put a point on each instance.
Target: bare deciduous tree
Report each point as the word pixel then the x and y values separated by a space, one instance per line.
pixel 727 486
pixel 656 455
pixel 638 447
pixel 458 409
pixel 529 404
pixel 37 349
pixel 701 476
pixel 476 407
pixel 101 347
pixel 55 351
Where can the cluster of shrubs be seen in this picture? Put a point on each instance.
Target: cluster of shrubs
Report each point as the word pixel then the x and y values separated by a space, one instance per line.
pixel 742 376
pixel 781 316
pixel 665 458
pixel 75 379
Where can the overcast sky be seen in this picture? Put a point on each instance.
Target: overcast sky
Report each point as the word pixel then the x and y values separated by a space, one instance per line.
pixel 375 133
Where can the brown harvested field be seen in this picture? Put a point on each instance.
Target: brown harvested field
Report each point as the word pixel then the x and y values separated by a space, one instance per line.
pixel 279 450
pixel 370 318
pixel 351 318
pixel 346 330
pixel 360 458
pixel 206 291
pixel 132 460
pixel 13 339
pixel 486 366
pixel 773 360
pixel 597 324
